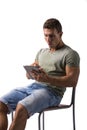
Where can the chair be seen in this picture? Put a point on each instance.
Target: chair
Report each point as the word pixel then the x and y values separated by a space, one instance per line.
pixel 61 106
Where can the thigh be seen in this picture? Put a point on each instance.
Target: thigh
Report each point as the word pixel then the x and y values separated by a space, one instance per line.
pixel 40 99
pixel 12 98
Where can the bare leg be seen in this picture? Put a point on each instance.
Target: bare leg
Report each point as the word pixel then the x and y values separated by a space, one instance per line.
pixel 3 116
pixel 20 118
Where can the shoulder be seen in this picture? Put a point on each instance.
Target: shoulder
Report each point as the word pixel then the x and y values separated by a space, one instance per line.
pixel 71 52
pixel 72 57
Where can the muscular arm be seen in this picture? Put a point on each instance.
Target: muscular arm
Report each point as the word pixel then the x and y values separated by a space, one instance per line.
pixel 69 80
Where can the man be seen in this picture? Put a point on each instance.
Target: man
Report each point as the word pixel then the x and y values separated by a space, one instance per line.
pixel 59 68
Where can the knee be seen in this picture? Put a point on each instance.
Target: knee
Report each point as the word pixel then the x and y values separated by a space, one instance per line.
pixel 21 111
pixel 3 108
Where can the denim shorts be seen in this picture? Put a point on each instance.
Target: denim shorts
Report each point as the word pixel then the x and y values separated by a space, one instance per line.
pixel 35 98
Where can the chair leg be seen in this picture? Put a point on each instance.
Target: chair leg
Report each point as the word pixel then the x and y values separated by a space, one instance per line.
pixel 74 117
pixel 43 118
pixel 12 116
pixel 39 121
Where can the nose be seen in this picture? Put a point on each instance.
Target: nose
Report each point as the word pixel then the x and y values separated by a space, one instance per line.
pixel 48 39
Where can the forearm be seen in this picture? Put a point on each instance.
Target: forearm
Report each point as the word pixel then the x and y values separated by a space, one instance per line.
pixel 63 81
pixel 69 80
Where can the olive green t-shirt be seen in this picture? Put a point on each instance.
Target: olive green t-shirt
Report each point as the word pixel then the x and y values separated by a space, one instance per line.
pixel 54 63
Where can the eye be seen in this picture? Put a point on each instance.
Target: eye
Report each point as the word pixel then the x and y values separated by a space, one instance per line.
pixel 51 36
pixel 45 35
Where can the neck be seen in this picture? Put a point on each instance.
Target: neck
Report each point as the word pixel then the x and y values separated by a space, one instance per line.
pixel 60 45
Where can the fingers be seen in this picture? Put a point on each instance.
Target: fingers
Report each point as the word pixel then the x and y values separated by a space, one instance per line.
pixel 35 64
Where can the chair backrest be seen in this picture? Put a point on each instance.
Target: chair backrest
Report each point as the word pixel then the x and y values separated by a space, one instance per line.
pixel 69 96
pixel 71 102
pixel 73 95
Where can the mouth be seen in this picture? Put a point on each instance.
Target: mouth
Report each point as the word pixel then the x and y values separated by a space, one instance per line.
pixel 50 44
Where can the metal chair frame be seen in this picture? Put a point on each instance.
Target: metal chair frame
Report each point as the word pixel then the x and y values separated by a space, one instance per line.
pixel 61 106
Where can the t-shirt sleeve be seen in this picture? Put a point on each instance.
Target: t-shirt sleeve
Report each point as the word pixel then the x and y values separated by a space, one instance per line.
pixel 73 59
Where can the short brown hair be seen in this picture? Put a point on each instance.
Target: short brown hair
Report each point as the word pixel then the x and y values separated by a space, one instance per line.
pixel 53 23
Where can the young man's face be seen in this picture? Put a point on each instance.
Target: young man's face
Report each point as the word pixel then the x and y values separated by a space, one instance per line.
pixel 52 37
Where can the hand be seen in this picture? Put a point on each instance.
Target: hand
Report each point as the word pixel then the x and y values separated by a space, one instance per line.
pixel 27 75
pixel 40 76
pixel 34 69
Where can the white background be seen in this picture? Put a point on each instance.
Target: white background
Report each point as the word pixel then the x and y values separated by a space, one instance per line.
pixel 21 36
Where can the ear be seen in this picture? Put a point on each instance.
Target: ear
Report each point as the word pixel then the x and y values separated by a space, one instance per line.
pixel 60 33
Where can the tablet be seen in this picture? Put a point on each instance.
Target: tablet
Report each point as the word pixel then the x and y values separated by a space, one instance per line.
pixel 31 68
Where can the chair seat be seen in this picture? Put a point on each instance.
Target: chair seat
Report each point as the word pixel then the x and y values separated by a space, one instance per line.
pixel 60 106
